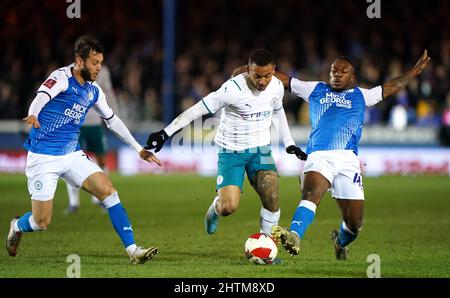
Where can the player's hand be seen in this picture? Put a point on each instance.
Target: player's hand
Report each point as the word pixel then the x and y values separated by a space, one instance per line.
pixel 297 151
pixel 421 64
pixel 32 121
pixel 149 156
pixel 156 140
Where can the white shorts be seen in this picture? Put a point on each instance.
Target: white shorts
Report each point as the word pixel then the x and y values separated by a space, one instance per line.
pixel 44 170
pixel 341 168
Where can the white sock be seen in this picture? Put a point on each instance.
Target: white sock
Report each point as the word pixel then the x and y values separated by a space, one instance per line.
pixel 268 219
pixel 214 204
pixel 33 224
pixel 74 195
pixel 16 227
pixel 130 249
pixel 111 200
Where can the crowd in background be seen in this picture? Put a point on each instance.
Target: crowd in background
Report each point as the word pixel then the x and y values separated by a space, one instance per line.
pixel 214 37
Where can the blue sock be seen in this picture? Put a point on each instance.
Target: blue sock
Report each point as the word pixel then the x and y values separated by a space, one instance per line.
pixel 24 223
pixel 119 219
pixel 303 217
pixel 346 236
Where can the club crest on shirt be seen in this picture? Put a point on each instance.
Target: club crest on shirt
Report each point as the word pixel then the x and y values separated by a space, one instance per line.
pixel 273 102
pixel 38 185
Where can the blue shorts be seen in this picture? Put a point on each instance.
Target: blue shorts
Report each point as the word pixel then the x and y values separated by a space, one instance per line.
pixel 232 164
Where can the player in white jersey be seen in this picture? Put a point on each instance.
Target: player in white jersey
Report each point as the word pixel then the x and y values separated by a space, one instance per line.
pixel 55 117
pixel 249 103
pixel 93 139
pixel 336 114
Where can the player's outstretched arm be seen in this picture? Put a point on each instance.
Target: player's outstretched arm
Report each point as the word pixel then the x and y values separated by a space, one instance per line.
pixel 393 86
pixel 116 125
pixel 157 139
pixel 280 120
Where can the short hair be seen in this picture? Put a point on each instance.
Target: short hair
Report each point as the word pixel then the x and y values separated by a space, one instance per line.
pixel 85 45
pixel 347 59
pixel 261 57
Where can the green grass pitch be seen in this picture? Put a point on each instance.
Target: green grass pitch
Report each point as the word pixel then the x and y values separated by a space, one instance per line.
pixel 407 223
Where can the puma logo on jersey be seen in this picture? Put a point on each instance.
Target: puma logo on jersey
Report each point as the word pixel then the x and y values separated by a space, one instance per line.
pixel 128 228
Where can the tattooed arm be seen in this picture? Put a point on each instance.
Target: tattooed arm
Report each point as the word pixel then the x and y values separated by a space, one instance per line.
pixel 393 86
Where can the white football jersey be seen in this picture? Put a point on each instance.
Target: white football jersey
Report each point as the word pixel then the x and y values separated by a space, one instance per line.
pixel 246 113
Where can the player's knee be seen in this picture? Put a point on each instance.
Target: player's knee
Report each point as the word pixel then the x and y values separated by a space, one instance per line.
pixel 229 206
pixel 106 191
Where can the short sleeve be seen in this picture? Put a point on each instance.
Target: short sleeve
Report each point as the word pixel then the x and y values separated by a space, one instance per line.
pixel 302 89
pixel 372 96
pixel 216 100
pixel 56 83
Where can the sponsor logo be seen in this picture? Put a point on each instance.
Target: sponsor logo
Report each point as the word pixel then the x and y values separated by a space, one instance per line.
pixel 338 99
pixel 76 112
pixel 256 116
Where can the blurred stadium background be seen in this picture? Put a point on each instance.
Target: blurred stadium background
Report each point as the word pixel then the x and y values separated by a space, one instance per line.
pixel 166 55
pixel 211 38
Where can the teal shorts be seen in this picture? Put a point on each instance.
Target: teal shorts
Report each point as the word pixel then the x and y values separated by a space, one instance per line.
pixel 233 164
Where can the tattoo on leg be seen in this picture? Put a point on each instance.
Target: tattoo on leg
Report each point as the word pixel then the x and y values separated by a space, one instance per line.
pixel 266 185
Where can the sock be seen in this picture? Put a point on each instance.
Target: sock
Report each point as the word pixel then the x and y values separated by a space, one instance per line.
pixel 214 204
pixel 303 217
pixel 119 219
pixel 26 223
pixel 130 249
pixel 74 195
pixel 345 235
pixel 268 219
